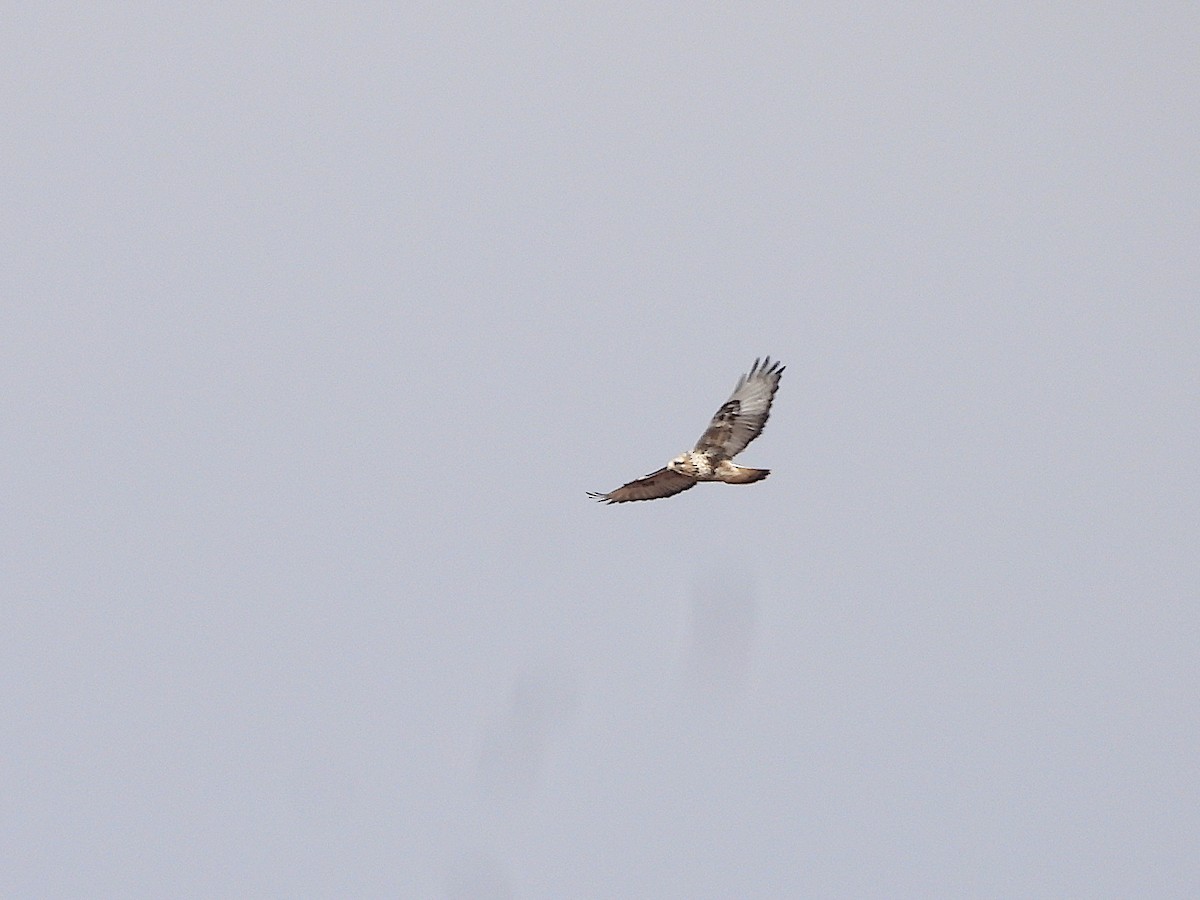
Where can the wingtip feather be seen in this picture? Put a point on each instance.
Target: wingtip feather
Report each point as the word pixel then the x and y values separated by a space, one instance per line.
pixel 764 366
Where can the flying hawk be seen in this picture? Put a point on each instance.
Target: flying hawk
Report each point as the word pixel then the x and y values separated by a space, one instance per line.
pixel 734 426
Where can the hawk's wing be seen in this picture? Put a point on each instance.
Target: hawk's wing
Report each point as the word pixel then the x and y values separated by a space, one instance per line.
pixel 663 483
pixel 745 413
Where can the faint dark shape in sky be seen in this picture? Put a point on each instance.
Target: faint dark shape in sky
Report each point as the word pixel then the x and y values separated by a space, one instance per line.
pixel 721 634
pixel 514 745
pixel 477 877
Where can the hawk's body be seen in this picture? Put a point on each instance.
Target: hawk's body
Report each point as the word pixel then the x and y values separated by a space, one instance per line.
pixel 739 421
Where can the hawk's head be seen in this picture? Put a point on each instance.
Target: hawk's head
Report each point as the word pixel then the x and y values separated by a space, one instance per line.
pixel 693 465
pixel 686 464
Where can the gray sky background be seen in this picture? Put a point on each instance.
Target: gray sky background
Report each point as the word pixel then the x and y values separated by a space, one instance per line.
pixel 318 323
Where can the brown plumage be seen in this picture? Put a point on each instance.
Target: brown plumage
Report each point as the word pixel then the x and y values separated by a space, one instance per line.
pixel 739 421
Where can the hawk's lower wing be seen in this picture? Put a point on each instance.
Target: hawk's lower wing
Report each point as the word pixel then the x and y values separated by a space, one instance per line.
pixel 741 419
pixel 663 483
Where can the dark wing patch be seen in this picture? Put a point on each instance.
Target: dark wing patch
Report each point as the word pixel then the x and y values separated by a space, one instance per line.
pixel 663 483
pixel 742 418
pixel 720 429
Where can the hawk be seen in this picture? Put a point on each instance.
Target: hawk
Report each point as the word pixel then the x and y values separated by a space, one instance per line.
pixel 739 421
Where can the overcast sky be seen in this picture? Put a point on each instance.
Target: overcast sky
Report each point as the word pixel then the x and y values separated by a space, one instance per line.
pixel 318 323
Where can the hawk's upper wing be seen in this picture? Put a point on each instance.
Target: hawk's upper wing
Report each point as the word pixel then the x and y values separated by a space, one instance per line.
pixel 663 483
pixel 745 413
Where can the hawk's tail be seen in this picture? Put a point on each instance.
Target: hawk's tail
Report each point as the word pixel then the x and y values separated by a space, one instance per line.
pixel 744 475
